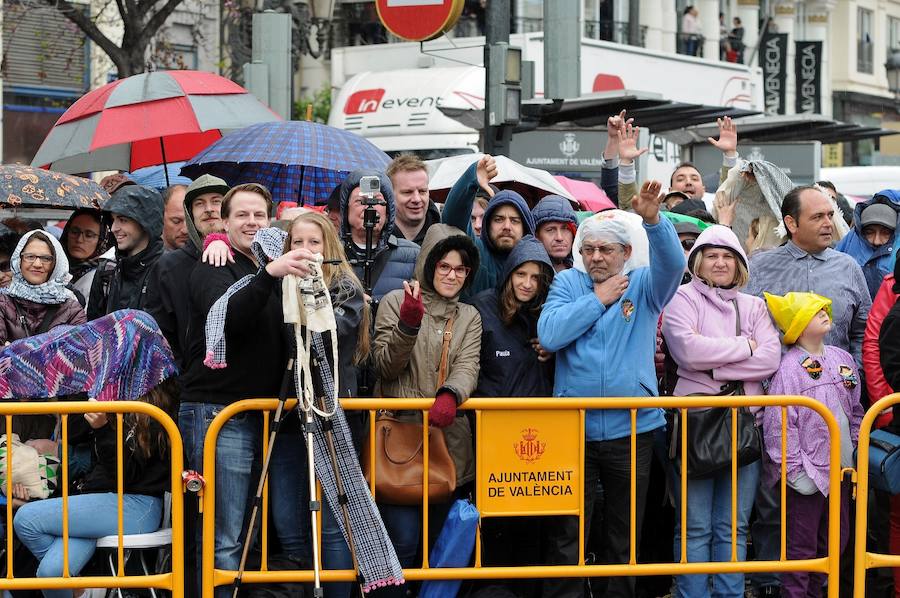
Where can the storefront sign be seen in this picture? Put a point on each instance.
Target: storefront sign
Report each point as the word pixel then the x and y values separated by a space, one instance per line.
pixel 576 151
pixel 529 462
pixel 808 77
pixel 773 59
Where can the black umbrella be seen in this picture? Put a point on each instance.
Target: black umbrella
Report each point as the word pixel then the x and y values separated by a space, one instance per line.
pixel 27 187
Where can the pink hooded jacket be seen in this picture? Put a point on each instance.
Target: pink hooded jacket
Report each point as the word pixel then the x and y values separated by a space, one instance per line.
pixel 699 328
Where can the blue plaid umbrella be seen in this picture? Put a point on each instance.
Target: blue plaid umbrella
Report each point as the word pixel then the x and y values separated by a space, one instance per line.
pixel 297 160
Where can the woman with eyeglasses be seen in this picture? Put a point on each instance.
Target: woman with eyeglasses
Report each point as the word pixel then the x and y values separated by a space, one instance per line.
pixel 38 298
pixel 723 343
pixel 409 333
pixel 84 239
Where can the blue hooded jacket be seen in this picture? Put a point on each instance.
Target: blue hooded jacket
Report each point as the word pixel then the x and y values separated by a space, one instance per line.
pixel 608 351
pixel 395 258
pixel 509 364
pixel 876 262
pixel 458 212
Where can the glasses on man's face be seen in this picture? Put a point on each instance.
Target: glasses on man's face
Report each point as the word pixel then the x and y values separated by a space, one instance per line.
pixel 30 258
pixel 444 269
pixel 5 266
pixel 588 251
pixel 88 235
pixel 688 244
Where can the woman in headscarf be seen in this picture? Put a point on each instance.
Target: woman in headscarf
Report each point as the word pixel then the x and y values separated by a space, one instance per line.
pixel 84 239
pixel 37 299
pixel 721 339
pixel 409 334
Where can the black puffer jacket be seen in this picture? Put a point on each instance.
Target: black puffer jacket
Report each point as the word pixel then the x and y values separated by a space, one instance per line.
pixel 168 296
pixel 141 475
pixel 123 285
pixel 509 363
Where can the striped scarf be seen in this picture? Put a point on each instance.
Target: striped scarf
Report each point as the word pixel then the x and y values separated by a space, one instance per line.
pixel 268 244
pixel 307 305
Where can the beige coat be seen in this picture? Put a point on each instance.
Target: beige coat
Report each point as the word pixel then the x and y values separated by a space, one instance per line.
pixel 407 360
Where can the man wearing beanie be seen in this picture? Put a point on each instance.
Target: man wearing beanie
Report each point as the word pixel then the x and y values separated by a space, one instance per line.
pixel 556 224
pixel 600 319
pixel 871 240
pixel 167 297
pixel 137 222
pixel 506 220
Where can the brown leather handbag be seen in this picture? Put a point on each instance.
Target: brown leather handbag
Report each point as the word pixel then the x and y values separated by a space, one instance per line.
pixel 399 458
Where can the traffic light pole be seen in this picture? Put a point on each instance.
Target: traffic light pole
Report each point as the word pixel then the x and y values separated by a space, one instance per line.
pixel 496 30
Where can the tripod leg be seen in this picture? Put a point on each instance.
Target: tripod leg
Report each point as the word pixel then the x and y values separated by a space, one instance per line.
pixel 254 513
pixel 314 505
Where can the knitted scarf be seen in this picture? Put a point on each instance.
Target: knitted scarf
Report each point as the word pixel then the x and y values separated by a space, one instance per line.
pixel 121 356
pixel 307 305
pixel 52 292
pixel 268 244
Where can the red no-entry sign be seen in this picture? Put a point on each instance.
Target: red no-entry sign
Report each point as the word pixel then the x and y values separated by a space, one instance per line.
pixel 419 20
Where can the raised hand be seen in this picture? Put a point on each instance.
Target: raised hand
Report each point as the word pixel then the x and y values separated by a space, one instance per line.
pixel 728 139
pixel 485 171
pixel 646 203
pixel 725 209
pixel 412 310
pixel 616 122
pixel 628 149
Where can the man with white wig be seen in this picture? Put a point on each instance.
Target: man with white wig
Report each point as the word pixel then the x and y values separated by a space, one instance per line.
pixel 600 318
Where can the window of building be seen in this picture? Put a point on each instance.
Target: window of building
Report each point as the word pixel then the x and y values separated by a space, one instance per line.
pixel 864 45
pixel 45 69
pixel 893 35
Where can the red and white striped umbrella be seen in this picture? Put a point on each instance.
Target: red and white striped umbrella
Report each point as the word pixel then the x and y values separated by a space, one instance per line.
pixel 148 120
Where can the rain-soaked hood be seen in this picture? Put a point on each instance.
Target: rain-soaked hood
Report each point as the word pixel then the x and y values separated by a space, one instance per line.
pixel 529 249
pixel 506 198
pixel 387 190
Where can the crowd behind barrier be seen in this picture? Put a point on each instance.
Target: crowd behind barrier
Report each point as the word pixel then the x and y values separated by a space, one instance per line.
pixel 764 297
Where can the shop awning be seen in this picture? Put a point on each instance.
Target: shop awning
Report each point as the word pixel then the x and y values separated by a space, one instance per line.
pixel 788 127
pixel 650 110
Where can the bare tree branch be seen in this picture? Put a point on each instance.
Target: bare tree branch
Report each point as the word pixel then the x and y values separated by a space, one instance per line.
pixel 157 21
pixel 75 14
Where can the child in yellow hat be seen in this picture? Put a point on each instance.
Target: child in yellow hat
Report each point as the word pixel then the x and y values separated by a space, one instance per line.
pixel 828 374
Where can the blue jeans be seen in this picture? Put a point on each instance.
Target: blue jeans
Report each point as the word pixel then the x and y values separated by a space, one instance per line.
pixel 335 553
pixel 404 526
pixel 238 458
pixel 39 525
pixel 289 494
pixel 709 529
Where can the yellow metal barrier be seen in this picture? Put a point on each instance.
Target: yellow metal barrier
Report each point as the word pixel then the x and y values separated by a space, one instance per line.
pixel 828 564
pixel 172 581
pixel 863 559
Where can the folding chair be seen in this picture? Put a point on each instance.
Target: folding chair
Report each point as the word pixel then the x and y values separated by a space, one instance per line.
pixel 140 542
